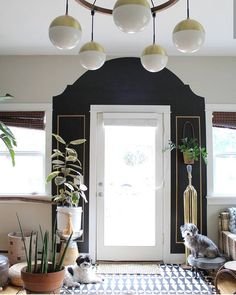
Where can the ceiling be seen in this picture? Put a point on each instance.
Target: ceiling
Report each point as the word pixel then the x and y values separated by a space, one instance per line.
pixel 24 28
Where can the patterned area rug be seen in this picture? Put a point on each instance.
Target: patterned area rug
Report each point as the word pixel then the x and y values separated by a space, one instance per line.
pixel 172 280
pixel 128 268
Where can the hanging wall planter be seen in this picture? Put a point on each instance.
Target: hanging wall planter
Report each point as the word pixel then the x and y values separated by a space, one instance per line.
pixel 189 147
pixel 188 158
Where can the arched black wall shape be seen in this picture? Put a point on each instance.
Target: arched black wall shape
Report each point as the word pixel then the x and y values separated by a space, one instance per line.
pixel 124 81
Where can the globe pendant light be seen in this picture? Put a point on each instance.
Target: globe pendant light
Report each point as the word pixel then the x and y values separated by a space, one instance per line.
pixel 65 31
pixel 92 55
pixel 154 57
pixel 188 35
pixel 131 16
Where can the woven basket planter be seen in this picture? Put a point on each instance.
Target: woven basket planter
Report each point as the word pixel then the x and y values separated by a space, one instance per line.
pixel 16 252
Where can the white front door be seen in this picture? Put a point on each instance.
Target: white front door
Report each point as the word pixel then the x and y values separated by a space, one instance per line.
pixel 129 188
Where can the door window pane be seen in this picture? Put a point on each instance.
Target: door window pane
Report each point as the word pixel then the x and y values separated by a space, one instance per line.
pixel 129 191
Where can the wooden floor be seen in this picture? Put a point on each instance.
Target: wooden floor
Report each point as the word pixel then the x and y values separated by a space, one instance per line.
pixel 226 286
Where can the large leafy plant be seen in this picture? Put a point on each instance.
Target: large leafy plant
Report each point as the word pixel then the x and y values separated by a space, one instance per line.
pixel 47 262
pixel 66 173
pixel 9 140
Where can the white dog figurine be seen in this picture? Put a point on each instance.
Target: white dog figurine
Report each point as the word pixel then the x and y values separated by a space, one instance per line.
pixel 81 273
pixel 199 245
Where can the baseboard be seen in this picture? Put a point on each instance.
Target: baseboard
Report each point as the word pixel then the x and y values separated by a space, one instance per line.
pixel 175 258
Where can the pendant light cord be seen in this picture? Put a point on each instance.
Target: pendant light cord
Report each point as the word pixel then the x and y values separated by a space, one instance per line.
pixel 187 8
pixel 92 14
pixel 153 24
pixel 154 27
pixel 66 7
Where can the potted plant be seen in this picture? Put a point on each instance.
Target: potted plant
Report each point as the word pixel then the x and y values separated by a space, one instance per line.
pixel 9 140
pixel 190 149
pixel 42 275
pixel 67 176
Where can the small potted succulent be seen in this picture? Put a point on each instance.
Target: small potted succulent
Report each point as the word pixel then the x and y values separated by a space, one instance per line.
pixel 43 274
pixel 68 178
pixel 190 149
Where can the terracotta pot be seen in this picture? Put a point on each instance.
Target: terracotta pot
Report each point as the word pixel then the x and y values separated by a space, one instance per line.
pixel 37 283
pixel 188 158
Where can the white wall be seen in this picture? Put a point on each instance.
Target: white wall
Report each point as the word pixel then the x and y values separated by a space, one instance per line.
pixel 31 215
pixel 39 78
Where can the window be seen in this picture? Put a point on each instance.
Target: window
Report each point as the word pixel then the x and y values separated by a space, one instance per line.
pixel 30 129
pixel 221 148
pixel 224 153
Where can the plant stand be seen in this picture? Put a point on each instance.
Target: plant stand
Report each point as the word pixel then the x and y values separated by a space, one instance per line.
pixel 72 252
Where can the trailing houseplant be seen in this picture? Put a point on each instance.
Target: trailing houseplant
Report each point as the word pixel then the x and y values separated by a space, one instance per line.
pixel 43 274
pixel 190 149
pixel 9 140
pixel 68 178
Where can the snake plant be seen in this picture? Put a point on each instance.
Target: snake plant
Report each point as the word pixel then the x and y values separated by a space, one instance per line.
pixel 42 264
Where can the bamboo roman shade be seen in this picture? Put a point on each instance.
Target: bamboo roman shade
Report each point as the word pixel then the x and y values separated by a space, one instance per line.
pixel 32 120
pixel 224 120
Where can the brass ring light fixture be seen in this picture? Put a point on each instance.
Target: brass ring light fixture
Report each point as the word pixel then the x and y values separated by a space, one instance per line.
pixel 101 9
pixel 130 16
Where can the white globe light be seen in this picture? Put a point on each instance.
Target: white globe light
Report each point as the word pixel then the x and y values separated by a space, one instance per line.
pixel 92 56
pixel 131 16
pixel 154 58
pixel 188 36
pixel 65 32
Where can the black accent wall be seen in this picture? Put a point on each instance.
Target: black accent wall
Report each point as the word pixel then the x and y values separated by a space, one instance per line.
pixel 124 81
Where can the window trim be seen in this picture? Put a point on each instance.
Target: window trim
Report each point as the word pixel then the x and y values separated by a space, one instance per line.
pixel 211 197
pixel 47 108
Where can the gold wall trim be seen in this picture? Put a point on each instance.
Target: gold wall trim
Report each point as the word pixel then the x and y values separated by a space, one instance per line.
pixel 59 117
pixel 177 175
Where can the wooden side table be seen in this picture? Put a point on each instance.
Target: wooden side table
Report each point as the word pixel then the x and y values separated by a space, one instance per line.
pixel 228 268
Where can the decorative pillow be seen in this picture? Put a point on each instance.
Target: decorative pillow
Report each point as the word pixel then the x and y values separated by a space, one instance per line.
pixel 232 219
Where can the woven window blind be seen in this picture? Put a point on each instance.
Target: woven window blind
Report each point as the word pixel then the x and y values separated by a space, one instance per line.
pixel 224 120
pixel 32 120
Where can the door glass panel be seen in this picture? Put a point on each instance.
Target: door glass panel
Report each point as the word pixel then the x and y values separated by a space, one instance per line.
pixel 129 186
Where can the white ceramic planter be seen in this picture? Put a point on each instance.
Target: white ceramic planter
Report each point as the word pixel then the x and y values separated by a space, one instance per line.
pixel 63 219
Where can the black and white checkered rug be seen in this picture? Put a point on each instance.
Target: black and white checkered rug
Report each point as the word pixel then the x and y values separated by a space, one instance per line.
pixel 172 280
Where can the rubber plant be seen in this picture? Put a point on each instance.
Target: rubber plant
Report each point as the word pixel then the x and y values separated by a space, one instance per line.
pixel 66 173
pixel 9 140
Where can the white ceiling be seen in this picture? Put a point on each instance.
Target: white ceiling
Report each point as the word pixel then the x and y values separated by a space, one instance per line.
pixel 24 27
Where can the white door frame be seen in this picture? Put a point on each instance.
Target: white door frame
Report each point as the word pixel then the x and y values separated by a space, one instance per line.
pixel 94 110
